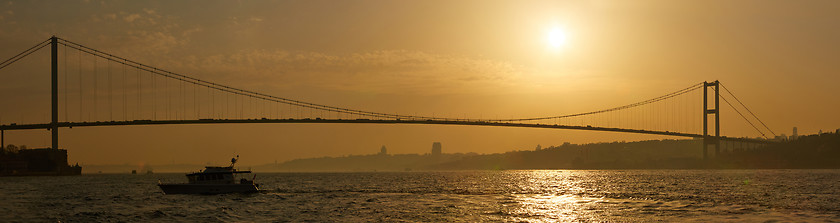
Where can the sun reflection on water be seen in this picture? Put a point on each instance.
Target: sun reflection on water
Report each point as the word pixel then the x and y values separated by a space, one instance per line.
pixel 559 196
pixel 563 208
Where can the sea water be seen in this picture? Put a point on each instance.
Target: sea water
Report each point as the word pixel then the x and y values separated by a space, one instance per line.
pixel 460 196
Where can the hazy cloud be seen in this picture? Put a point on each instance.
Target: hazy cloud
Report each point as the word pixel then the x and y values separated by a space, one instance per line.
pixel 237 21
pixel 8 13
pixel 131 17
pixel 153 41
pixel 150 35
pixel 396 71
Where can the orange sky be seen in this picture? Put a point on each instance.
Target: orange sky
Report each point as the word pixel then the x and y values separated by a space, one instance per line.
pixel 482 59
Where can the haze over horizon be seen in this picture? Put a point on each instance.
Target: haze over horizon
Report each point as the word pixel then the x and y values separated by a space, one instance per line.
pixel 480 59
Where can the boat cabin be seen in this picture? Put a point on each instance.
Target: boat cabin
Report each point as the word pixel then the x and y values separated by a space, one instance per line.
pixel 215 175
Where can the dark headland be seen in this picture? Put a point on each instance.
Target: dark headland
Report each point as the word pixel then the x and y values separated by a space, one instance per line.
pixel 20 161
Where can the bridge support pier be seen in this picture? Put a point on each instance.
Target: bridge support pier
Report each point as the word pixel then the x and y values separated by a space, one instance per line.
pixel 707 139
pixel 54 77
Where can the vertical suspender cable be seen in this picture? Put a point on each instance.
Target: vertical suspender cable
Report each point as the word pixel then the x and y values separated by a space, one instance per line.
pixel 196 107
pixel 66 78
pixel 110 94
pixel 154 95
pixel 183 102
pixel 95 86
pixel 125 116
pixel 139 81
pixel 168 98
pixel 212 102
pixel 81 98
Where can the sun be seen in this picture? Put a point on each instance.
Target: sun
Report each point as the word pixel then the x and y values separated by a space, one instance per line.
pixel 557 37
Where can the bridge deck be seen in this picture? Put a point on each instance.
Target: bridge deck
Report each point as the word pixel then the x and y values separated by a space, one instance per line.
pixel 369 121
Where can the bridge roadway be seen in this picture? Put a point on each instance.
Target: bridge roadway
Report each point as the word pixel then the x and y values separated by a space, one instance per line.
pixel 368 121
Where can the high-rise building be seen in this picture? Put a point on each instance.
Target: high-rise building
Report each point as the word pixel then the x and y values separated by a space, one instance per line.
pixel 795 134
pixel 436 149
pixel 383 150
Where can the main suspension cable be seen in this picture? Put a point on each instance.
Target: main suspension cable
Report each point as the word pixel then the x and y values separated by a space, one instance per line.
pixel 660 98
pixel 228 88
pixel 742 116
pixel 25 53
pixel 748 110
pixel 242 92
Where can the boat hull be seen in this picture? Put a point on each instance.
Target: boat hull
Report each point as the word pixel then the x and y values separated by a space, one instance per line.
pixel 208 188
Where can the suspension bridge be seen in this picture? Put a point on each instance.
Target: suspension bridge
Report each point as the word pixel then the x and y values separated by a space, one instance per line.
pixel 90 87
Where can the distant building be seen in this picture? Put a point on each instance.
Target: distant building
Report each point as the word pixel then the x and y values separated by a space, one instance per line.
pixel 538 148
pixel 383 151
pixel 436 149
pixel 795 134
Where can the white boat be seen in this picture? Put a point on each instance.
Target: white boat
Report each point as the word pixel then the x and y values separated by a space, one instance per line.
pixel 213 180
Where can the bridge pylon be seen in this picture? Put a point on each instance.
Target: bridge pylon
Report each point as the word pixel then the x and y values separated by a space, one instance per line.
pixel 54 77
pixel 707 139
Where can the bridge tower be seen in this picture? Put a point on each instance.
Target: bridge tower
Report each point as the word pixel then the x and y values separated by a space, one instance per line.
pixel 706 111
pixel 54 75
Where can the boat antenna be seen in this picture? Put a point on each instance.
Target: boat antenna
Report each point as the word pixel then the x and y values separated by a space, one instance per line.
pixel 233 160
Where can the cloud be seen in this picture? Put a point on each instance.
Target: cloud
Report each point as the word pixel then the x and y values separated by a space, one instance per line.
pixel 150 34
pixel 395 71
pixel 237 21
pixel 131 17
pixel 151 42
pixel 148 17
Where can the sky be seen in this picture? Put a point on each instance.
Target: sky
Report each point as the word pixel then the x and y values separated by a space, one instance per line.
pixel 483 59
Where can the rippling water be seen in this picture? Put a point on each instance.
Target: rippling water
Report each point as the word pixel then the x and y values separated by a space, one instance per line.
pixel 529 196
